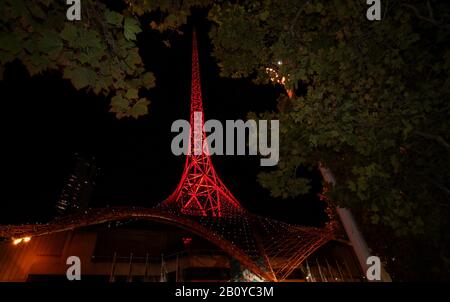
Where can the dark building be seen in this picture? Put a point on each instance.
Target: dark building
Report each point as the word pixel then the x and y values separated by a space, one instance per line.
pixel 77 191
pixel 147 252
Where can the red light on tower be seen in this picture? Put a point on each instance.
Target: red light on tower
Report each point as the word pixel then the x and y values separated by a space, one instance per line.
pixel 187 241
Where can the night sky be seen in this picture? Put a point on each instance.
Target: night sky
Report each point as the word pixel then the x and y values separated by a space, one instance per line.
pixel 45 122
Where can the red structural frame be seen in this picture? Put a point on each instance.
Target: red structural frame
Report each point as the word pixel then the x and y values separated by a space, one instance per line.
pixel 200 191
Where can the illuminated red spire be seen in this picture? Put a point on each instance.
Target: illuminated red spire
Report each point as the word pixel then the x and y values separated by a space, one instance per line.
pixel 200 191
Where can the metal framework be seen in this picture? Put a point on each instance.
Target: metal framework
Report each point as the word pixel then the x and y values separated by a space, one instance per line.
pixel 203 205
pixel 200 191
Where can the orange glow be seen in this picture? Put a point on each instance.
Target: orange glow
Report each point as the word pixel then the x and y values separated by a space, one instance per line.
pixel 20 240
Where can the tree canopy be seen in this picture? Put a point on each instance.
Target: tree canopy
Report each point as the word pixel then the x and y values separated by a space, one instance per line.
pixel 369 100
pixel 372 104
pixel 98 53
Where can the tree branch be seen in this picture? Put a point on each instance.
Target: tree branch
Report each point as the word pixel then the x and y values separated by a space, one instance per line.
pixel 430 10
pixel 439 139
pixel 430 18
pixel 297 15
pixel 442 188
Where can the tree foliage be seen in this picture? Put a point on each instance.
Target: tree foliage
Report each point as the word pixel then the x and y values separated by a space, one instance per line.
pixel 172 14
pixel 372 104
pixel 98 53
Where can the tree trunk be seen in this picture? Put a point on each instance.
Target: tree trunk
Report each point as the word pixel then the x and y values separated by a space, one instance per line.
pixel 356 238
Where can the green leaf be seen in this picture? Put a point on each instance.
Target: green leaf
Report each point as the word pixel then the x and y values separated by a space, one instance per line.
pixel 36 10
pixel 18 8
pixel 351 186
pixel 264 15
pixel 132 94
pixel 10 42
pixel 140 108
pixel 119 104
pixel 90 39
pixel 83 58
pixel 117 73
pixel 133 58
pixel 131 28
pixel 113 18
pixel 319 7
pixel 46 2
pixel 30 45
pixel 36 63
pixel 148 80
pixel 407 129
pixel 119 84
pixel 395 163
pixel 70 32
pixel 50 44
pixel 80 76
pixel 6 57
pixel 104 82
pixel 375 219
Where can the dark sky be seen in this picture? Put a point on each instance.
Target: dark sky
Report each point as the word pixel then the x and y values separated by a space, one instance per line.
pixel 45 121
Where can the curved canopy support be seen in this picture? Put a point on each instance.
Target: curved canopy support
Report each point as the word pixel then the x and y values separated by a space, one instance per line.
pixel 289 259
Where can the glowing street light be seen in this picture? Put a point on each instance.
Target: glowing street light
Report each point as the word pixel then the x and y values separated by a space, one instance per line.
pixel 20 240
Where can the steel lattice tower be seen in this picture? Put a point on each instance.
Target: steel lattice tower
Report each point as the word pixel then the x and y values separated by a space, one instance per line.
pixel 200 191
